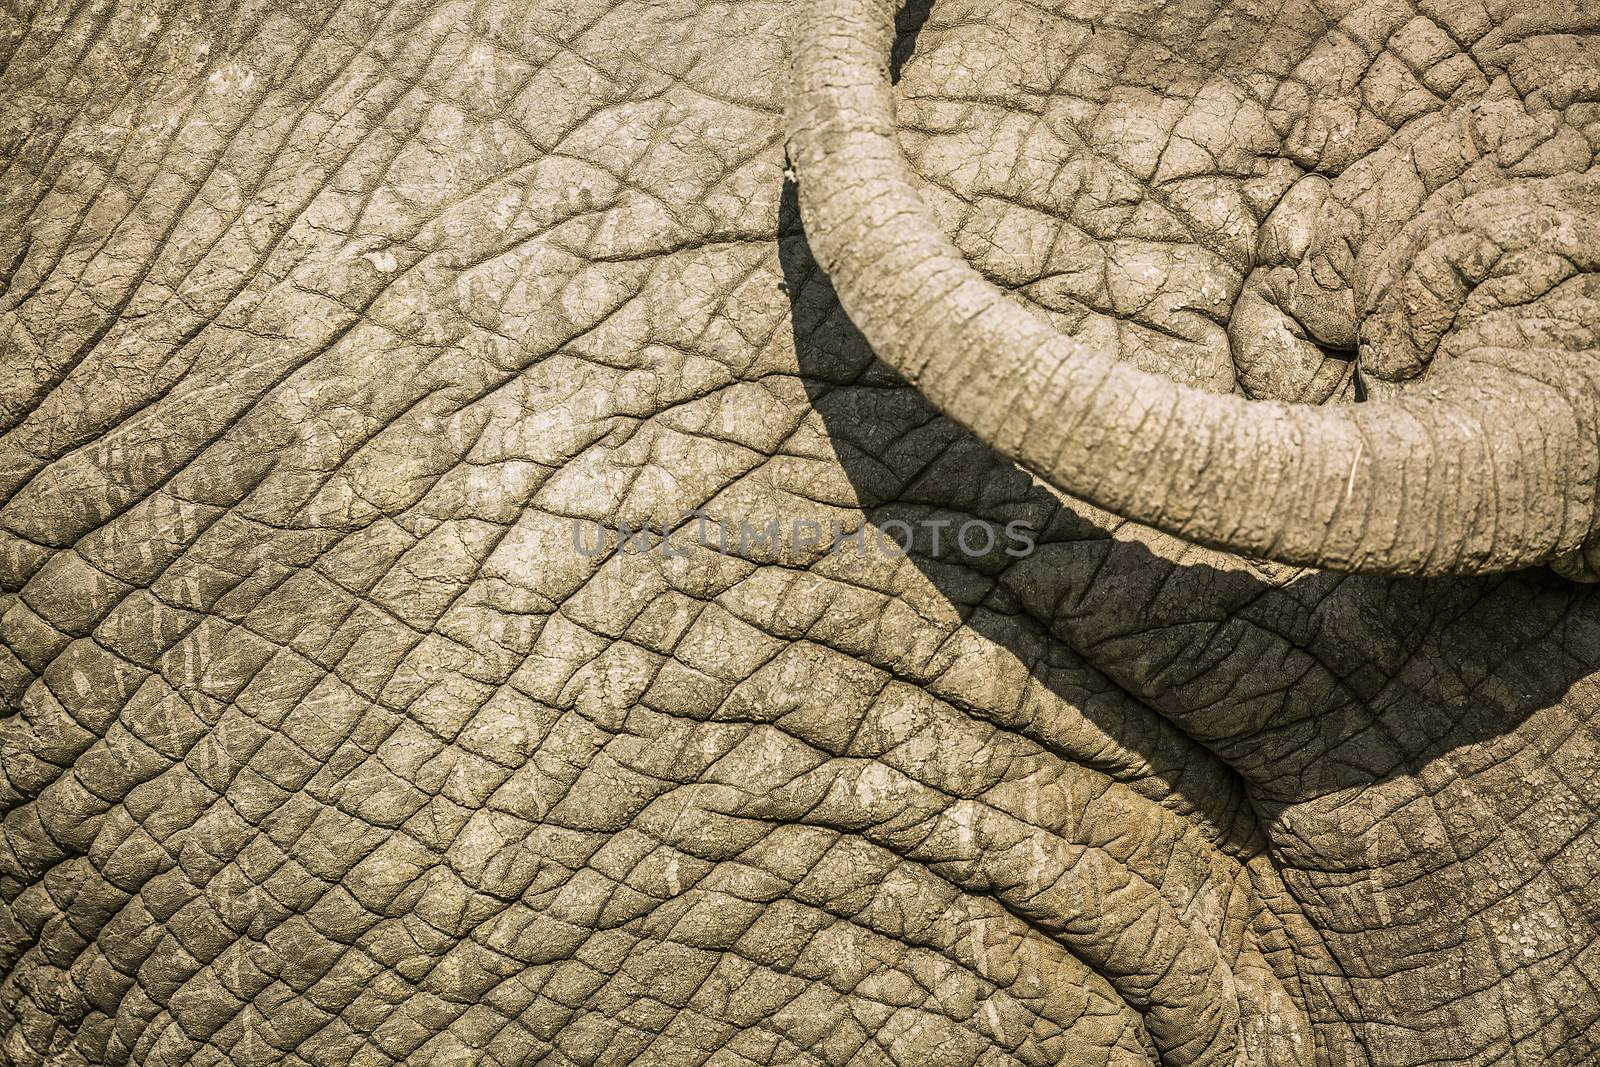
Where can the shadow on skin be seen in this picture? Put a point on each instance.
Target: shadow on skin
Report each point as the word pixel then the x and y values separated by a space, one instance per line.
pixel 1396 761
pixel 1305 685
pixel 908 23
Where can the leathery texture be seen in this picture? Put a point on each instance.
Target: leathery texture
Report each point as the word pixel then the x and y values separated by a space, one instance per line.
pixel 324 743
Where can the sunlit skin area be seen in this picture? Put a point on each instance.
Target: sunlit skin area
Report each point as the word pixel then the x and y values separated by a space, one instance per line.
pixel 1037 533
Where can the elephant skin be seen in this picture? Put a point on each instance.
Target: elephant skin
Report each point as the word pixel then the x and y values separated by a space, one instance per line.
pixel 327 328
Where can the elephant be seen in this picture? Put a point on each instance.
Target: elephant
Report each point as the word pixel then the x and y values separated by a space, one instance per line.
pixel 733 532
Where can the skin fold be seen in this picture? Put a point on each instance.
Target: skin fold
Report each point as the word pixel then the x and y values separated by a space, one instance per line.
pixel 1437 480
pixel 321 741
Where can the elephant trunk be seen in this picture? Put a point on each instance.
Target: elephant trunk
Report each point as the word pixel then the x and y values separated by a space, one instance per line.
pixel 1482 468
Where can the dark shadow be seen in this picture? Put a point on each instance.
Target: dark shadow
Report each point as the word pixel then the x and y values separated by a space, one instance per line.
pixel 1303 687
pixel 908 23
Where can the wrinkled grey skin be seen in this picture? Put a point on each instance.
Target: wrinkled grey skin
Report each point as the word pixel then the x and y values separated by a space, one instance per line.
pixel 323 745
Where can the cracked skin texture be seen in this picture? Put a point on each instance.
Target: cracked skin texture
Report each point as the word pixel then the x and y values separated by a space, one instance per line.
pixel 322 745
